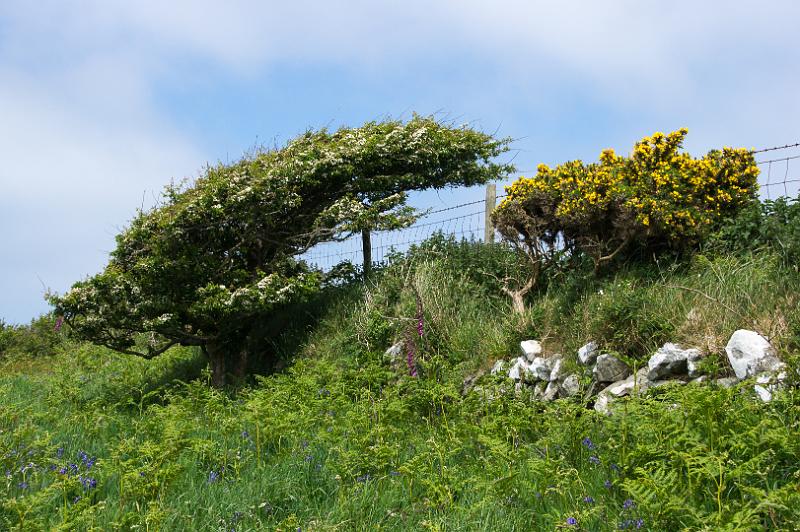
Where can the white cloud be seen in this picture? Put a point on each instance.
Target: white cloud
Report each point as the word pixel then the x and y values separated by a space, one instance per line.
pixel 82 135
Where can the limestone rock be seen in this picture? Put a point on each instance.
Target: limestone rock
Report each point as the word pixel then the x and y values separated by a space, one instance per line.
pixel 551 392
pixel 541 368
pixel 726 382
pixel 530 349
pixel 555 373
pixel 638 383
pixel 394 352
pixel 610 369
pixel 763 393
pixel 750 354
pixel 498 367
pixel 518 369
pixel 693 358
pixel 669 360
pixel 588 354
pixel 571 386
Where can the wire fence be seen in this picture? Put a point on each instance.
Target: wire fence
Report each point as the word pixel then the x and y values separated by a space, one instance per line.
pixel 779 177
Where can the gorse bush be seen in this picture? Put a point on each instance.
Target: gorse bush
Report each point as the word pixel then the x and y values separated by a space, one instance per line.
pixel 658 198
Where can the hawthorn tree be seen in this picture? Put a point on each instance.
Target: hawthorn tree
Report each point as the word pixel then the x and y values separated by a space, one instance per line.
pixel 216 259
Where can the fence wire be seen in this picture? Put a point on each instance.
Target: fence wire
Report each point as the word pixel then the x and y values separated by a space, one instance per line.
pixel 779 177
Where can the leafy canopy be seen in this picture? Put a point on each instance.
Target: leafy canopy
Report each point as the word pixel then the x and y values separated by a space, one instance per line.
pixel 206 266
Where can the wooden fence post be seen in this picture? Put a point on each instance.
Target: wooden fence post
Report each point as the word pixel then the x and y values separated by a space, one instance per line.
pixel 366 247
pixel 491 198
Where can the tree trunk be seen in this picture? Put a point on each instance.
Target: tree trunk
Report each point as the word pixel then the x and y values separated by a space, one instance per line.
pixel 216 360
pixel 240 368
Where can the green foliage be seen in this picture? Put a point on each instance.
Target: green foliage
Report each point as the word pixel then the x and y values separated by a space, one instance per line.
pixel 39 338
pixel 344 438
pixel 773 224
pixel 216 259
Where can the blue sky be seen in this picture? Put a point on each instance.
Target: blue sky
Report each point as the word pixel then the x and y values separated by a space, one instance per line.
pixel 102 103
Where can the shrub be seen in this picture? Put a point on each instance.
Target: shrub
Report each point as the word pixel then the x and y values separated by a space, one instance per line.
pixel 771 224
pixel 658 198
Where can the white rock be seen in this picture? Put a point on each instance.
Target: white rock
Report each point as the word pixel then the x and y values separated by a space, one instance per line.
pixel 763 394
pixel 669 360
pixel 638 383
pixel 394 352
pixel 726 382
pixel 555 373
pixel 551 392
pixel 588 354
pixel 750 354
pixel 701 378
pixel 518 369
pixel 530 349
pixel 541 368
pixel 610 369
pixel 601 404
pixel 571 386
pixel 498 367
pixel 693 358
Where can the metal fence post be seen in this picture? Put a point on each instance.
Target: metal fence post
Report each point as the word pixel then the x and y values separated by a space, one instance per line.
pixel 491 198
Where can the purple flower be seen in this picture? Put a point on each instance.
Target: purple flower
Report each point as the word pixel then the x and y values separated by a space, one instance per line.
pixel 571 521
pixel 245 434
pixel 62 471
pixel 639 523
pixel 595 460
pixel 588 443
pixel 60 452
pixel 588 500
pixel 615 467
pixel 59 323
pixel 213 476
pixel 23 485
pixel 309 458
pixel 628 503
pixel 607 484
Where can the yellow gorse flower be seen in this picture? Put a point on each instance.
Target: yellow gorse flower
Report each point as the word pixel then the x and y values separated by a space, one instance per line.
pixel 664 191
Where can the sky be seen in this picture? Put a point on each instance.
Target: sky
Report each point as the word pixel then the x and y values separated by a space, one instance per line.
pixel 103 103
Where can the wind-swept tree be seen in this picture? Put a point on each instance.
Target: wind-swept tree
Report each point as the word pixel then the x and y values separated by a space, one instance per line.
pixel 218 258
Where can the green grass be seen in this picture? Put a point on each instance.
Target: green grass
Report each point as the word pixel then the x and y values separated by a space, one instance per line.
pixel 344 440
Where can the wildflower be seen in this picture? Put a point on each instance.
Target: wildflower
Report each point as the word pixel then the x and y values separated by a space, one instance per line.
pixel 60 452
pixel 571 521
pixel 607 484
pixel 595 460
pixel 309 458
pixel 628 503
pixel 615 467
pixel 62 471
pixel 76 499
pixel 213 476
pixel 245 434
pixel 59 323
pixel 588 443
pixel 23 485
pixel 588 500
pixel 639 523
pixel 74 468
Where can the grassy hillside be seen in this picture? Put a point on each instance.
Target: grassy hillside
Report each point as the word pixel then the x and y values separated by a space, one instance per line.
pixel 341 438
